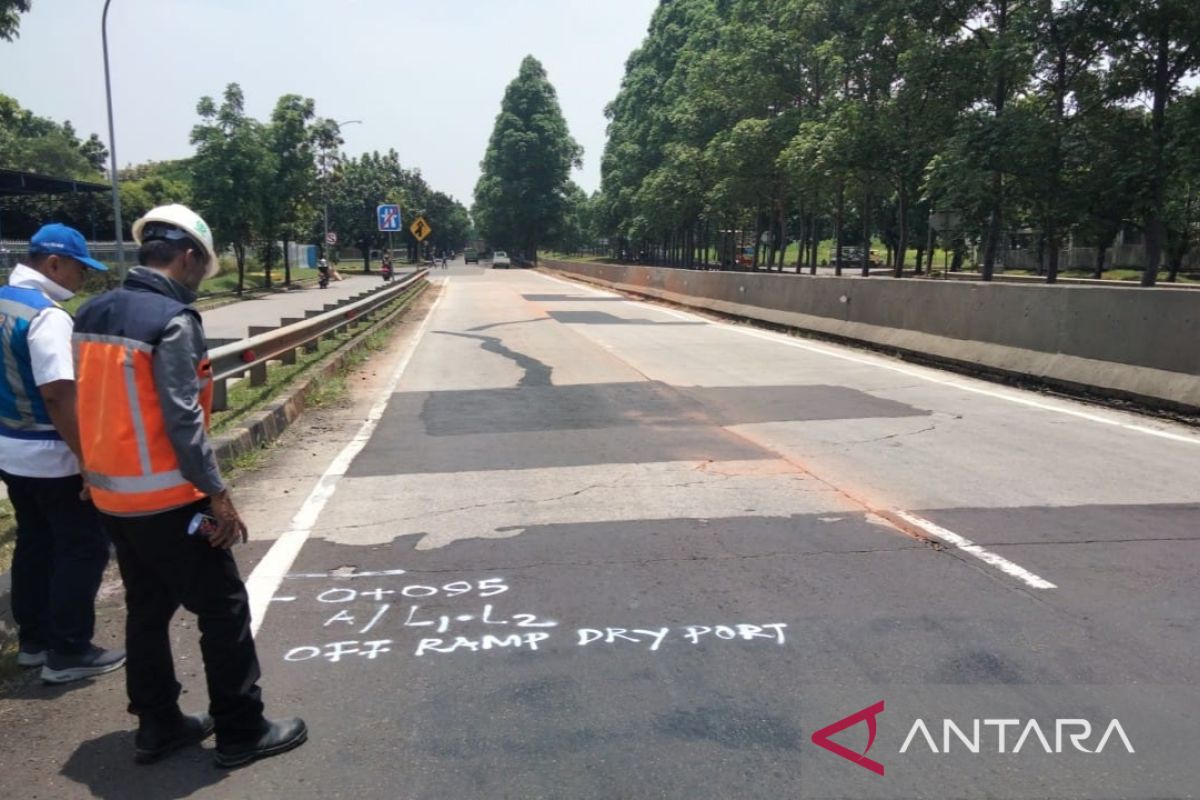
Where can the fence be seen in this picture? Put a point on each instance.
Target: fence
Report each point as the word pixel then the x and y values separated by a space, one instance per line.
pixel 1122 255
pixel 15 250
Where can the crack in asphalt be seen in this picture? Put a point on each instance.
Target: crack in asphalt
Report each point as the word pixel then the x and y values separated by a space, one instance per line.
pixel 900 435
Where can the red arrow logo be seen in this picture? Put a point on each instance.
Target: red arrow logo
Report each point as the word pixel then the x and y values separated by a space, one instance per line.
pixel 821 737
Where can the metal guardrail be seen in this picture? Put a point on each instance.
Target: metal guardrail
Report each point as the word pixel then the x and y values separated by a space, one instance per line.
pixel 251 355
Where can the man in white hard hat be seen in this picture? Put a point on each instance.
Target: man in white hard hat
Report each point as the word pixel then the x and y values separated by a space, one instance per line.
pixel 145 389
pixel 61 549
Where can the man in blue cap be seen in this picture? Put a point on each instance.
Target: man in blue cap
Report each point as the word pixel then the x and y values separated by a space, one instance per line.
pixel 61 550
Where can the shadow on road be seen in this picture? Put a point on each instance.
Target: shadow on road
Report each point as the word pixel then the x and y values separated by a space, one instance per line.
pixel 105 765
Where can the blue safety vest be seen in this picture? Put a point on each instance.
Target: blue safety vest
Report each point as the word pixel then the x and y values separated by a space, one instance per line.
pixel 23 413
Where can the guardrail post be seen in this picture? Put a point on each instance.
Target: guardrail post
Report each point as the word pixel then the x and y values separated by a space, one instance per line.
pixel 220 396
pixel 220 400
pixel 258 373
pixel 315 344
pixel 290 356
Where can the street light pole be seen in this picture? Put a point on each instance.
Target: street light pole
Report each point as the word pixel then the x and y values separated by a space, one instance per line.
pixel 112 149
pixel 325 182
pixel 325 198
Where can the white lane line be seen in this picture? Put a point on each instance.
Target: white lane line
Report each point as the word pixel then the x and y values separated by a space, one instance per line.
pixel 265 579
pixel 967 546
pixel 910 372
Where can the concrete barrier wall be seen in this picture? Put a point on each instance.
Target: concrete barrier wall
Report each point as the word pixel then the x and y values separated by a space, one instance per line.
pixel 1118 341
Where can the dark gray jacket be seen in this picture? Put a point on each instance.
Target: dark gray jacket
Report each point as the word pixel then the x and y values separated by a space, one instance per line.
pixel 176 361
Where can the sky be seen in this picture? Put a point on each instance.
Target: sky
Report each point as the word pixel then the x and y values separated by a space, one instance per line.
pixel 424 78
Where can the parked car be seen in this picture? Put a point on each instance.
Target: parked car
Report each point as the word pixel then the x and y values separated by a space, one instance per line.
pixel 852 257
pixel 469 255
pixel 500 259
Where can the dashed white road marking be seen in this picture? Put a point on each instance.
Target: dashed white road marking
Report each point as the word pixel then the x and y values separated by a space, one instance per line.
pixel 270 571
pixel 920 374
pixel 967 546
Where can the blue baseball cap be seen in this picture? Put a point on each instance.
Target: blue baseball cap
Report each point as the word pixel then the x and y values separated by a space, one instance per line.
pixel 63 240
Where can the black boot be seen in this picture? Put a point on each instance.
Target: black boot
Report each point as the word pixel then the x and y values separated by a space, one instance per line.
pixel 156 738
pixel 278 737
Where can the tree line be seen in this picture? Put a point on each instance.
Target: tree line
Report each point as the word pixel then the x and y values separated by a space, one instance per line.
pixel 766 121
pixel 259 184
pixel 524 197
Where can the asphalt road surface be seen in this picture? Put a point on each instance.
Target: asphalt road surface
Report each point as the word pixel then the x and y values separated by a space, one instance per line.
pixel 568 545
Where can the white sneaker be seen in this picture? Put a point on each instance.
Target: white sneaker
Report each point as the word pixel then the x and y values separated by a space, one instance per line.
pixel 94 661
pixel 31 658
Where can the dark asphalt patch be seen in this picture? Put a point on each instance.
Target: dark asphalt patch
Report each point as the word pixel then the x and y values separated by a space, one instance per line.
pixel 582 716
pixel 397 448
pixel 536 426
pixel 560 298
pixel 1071 524
pixel 651 403
pixel 604 318
pixel 1137 567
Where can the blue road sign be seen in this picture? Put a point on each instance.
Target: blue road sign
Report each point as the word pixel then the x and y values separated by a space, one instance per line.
pixel 389 217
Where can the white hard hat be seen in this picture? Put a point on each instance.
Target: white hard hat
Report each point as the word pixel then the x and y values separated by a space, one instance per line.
pixel 187 222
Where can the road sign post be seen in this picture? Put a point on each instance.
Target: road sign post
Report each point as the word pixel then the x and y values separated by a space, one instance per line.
pixel 420 229
pixel 388 215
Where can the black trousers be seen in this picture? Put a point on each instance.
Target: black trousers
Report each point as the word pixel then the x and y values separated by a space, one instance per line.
pixel 58 563
pixel 163 569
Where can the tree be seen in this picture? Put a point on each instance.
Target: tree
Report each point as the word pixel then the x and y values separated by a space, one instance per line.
pixel 290 140
pixel 231 167
pixel 10 11
pixel 521 197
pixel 37 144
pixel 1181 208
pixel 1156 47
pixel 31 143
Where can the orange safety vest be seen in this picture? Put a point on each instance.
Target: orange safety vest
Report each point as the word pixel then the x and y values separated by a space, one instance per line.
pixel 128 459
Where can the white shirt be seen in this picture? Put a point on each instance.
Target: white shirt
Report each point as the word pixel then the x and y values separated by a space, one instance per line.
pixel 53 360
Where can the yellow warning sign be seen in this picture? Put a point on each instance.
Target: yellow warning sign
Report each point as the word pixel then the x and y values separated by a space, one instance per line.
pixel 420 229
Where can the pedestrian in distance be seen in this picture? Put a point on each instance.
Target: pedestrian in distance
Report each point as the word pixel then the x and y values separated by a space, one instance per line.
pixel 61 549
pixel 146 381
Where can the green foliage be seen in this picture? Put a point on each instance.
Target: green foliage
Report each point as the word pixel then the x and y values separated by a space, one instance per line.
pixel 10 11
pixel 286 198
pixel 36 144
pixel 231 169
pixel 750 122
pixel 356 186
pixel 524 193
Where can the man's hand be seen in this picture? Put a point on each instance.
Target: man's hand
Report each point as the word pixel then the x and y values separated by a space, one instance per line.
pixel 230 528
pixel 60 405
